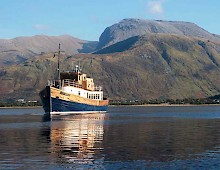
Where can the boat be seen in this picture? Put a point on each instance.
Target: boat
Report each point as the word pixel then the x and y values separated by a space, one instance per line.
pixel 73 92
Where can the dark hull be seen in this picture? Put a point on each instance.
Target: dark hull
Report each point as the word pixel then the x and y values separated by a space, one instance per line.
pixel 58 106
pixel 46 99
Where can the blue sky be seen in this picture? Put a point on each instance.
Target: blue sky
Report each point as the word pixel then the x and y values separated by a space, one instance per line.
pixel 87 19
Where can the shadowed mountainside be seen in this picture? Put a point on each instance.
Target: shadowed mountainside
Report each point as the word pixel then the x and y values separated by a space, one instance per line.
pixel 152 66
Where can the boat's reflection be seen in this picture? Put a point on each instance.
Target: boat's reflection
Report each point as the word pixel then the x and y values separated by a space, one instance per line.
pixel 78 137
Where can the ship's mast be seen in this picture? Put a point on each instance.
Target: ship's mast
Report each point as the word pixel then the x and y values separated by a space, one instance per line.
pixel 58 64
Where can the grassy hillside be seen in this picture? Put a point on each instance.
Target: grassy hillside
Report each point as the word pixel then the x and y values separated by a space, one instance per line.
pixel 155 66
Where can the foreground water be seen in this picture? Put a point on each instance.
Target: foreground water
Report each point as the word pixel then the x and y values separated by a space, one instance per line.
pixel 124 138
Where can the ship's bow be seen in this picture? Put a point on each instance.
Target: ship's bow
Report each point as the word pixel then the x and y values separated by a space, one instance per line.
pixel 46 99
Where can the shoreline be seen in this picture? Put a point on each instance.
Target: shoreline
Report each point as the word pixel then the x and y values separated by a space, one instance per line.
pixel 21 107
pixel 168 105
pixel 147 105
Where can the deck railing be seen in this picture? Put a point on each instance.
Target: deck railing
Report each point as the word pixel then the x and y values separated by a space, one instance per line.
pixel 98 88
pixel 69 82
pixel 51 83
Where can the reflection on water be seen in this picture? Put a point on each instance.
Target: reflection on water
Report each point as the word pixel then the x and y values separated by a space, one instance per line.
pixel 128 138
pixel 77 138
pixel 123 138
pixel 164 140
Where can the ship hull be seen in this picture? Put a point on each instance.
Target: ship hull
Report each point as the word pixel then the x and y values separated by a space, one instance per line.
pixel 57 102
pixel 60 105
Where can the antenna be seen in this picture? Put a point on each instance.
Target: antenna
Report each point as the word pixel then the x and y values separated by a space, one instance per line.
pixel 58 60
pixel 58 63
pixel 91 65
pixel 80 67
pixel 91 61
pixel 72 65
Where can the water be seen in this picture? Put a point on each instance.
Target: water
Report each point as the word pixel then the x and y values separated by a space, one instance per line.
pixel 124 138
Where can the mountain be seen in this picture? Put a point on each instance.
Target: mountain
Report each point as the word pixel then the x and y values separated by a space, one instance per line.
pixel 135 59
pixel 134 27
pixel 152 66
pixel 17 50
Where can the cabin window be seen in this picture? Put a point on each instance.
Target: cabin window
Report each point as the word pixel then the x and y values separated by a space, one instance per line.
pixel 79 93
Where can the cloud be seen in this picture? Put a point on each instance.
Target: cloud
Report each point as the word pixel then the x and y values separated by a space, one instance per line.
pixel 155 7
pixel 40 27
pixel 94 18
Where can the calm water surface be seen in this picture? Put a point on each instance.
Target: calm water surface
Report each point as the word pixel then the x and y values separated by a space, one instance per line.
pixel 124 138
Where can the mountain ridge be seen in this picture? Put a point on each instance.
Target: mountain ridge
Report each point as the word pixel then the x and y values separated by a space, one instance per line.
pixel 18 49
pixel 133 27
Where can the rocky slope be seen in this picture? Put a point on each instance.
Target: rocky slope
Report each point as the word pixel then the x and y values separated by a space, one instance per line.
pixel 17 50
pixel 133 27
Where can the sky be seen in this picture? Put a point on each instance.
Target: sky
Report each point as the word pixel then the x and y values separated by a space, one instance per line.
pixel 87 19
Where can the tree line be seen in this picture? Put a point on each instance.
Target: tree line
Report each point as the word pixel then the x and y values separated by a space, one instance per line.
pixel 19 104
pixel 211 100
pixel 166 101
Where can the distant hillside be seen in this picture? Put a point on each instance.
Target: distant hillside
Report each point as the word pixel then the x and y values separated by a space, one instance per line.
pixel 17 50
pixel 152 66
pixel 134 27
